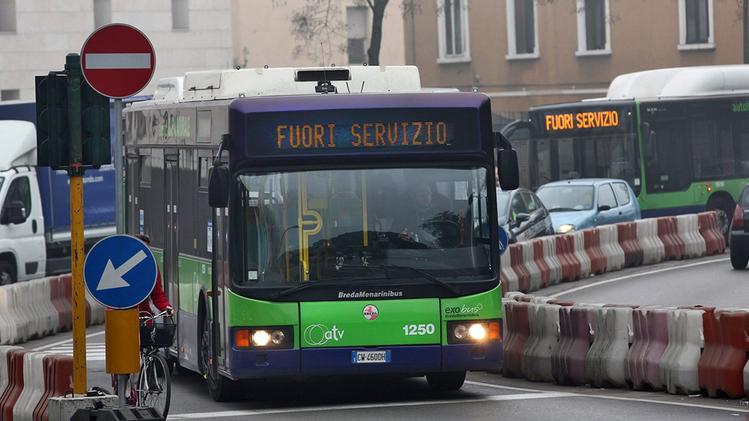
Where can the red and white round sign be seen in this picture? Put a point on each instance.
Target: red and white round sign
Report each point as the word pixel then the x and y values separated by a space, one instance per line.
pixel 118 60
pixel 370 312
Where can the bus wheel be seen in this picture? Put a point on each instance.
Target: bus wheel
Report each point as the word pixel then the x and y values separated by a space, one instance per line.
pixel 221 388
pixel 444 382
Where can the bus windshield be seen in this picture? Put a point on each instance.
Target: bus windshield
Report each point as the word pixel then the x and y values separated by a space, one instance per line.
pixel 343 225
pixel 566 158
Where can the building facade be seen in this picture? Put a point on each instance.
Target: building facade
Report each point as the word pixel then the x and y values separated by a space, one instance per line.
pixel 290 33
pixel 533 52
pixel 35 36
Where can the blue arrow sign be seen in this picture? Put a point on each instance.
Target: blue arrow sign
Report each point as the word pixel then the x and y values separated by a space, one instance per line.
pixel 503 241
pixel 120 271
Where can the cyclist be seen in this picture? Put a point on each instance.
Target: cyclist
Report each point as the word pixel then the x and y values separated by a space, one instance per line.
pixel 161 302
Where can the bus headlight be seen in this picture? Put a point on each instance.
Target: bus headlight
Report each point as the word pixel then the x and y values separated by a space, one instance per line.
pixel 477 332
pixel 565 228
pixel 472 331
pixel 260 338
pixel 264 337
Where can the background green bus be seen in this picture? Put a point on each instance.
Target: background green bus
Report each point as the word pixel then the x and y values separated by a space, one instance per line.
pixel 679 137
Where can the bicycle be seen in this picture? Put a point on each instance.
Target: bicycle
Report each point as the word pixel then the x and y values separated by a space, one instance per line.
pixel 154 379
pixel 154 388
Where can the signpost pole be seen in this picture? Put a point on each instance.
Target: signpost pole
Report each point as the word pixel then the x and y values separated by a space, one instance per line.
pixel 120 201
pixel 75 170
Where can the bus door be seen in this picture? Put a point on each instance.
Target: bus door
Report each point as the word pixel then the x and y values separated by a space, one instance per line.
pixel 171 243
pixel 132 223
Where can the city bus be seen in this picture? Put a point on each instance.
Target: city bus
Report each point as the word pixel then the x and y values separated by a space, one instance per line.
pixel 322 222
pixel 679 137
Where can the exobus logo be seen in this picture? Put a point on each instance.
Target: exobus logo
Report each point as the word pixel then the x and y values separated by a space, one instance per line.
pixel 463 310
pixel 370 312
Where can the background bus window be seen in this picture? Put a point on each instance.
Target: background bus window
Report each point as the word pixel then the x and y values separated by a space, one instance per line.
pixel 667 157
pixel 741 139
pixel 712 150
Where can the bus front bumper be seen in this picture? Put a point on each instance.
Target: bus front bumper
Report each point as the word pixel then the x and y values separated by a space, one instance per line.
pixel 405 360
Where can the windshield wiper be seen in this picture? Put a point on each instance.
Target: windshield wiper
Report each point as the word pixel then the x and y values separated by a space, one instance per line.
pixel 561 209
pixel 421 273
pixel 327 282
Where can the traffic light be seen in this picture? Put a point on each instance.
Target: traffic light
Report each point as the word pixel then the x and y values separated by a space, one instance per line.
pixel 52 138
pixel 95 126
pixel 53 134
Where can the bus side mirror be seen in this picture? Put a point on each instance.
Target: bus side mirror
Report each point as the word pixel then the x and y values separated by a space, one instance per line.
pixel 509 178
pixel 218 186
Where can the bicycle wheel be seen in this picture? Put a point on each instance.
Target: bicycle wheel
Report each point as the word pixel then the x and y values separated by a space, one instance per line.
pixel 154 384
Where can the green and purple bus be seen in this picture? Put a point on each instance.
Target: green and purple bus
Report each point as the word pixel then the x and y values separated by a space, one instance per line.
pixel 304 230
pixel 679 137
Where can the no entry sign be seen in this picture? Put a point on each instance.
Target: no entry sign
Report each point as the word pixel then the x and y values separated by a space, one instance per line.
pixel 118 60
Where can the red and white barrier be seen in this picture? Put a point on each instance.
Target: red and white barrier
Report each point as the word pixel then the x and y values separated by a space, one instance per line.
pixel 689 233
pixel 545 261
pixel 593 346
pixel 652 246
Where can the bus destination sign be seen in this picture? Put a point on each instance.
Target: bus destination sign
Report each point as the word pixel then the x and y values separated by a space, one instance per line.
pixel 581 120
pixel 362 131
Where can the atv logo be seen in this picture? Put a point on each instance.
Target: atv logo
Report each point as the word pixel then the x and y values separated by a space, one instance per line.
pixel 370 312
pixel 317 334
pixel 463 310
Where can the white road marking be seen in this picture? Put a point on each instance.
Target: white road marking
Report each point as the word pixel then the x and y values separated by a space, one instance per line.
pixel 118 61
pixel 66 341
pixel 499 386
pixel 620 398
pixel 635 275
pixel 250 412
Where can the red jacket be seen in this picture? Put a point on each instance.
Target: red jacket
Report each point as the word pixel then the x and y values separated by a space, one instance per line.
pixel 157 297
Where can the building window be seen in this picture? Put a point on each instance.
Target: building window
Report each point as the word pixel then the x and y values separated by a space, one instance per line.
pixel 593 30
pixel 10 94
pixel 696 24
pixel 356 25
pixel 522 30
pixel 7 15
pixel 180 15
pixel 453 31
pixel 102 12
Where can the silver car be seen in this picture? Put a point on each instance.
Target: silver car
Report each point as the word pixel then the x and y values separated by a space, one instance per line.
pixel 522 215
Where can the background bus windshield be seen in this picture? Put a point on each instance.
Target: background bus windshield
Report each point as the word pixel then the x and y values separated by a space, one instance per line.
pixel 339 225
pixel 602 156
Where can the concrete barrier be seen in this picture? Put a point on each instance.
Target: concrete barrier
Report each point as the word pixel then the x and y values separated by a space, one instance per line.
pixel 592 241
pixel 652 246
pixel 580 254
pixel 627 237
pixel 605 359
pixel 689 233
pixel 544 319
pixel 611 248
pixel 685 342
pixel 709 227
pixel 529 263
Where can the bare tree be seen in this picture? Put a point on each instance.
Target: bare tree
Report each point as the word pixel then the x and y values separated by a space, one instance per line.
pixel 318 27
pixel 375 40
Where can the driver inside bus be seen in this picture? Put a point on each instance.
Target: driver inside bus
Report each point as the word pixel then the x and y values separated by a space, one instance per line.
pixel 428 208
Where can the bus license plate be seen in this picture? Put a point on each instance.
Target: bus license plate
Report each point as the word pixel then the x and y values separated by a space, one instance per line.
pixel 369 357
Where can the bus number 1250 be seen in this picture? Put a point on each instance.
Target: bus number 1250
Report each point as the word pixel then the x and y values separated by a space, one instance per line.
pixel 419 330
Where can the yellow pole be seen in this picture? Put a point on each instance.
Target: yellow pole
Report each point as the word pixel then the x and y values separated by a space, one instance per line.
pixel 79 292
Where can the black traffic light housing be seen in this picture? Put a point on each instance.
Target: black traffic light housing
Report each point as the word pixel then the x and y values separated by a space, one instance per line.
pixel 57 96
